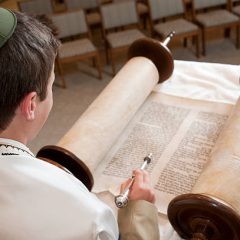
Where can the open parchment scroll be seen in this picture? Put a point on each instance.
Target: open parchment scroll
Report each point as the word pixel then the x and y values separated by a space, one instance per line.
pixel 128 120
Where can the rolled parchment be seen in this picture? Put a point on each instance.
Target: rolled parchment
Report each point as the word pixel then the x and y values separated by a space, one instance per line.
pixel 97 129
pixel 212 211
pixel 221 176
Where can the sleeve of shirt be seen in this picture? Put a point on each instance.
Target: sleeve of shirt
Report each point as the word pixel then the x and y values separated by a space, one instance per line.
pixel 106 224
pixel 138 221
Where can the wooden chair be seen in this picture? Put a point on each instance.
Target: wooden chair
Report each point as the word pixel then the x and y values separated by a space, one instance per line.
pixel 169 15
pixel 213 15
pixel 142 10
pixel 235 6
pixel 36 6
pixel 71 24
pixel 120 27
pixel 91 8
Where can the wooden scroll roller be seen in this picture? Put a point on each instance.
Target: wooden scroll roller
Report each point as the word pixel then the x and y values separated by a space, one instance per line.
pixel 92 135
pixel 212 210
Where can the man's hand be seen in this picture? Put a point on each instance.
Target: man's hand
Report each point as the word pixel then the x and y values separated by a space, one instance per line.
pixel 141 188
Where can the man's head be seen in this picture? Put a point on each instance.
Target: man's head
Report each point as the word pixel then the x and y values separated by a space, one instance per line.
pixel 26 66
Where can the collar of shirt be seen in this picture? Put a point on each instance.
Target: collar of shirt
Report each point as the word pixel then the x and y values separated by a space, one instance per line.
pixel 12 147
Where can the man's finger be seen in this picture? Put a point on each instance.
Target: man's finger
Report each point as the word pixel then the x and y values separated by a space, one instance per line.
pixel 146 176
pixel 125 185
pixel 138 175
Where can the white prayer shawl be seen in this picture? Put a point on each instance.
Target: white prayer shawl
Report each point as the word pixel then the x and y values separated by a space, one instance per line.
pixel 39 201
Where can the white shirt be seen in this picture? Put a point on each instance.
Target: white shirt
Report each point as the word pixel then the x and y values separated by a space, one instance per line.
pixel 41 201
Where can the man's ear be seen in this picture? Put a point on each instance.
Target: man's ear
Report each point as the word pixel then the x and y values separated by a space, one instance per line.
pixel 28 106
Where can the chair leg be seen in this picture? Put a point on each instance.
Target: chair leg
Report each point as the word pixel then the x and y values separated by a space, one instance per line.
pixel 197 45
pixel 185 42
pixel 203 42
pixel 113 63
pixel 238 36
pixel 102 32
pixel 227 32
pixel 94 62
pixel 107 52
pixel 144 20
pixel 59 67
pixel 98 65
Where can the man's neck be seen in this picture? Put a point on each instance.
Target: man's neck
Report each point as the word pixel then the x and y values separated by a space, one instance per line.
pixel 13 136
pixel 15 131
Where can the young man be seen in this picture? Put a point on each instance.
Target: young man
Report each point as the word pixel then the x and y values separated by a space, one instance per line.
pixel 37 199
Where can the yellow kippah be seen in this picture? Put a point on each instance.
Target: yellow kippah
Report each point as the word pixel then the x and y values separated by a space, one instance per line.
pixel 8 22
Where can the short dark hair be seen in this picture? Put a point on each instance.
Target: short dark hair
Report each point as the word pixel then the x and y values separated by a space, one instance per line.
pixel 26 62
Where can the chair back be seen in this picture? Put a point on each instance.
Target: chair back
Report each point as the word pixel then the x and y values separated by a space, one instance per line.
pixel 85 4
pixel 200 4
pixel 119 14
pixel 165 8
pixel 70 23
pixel 36 6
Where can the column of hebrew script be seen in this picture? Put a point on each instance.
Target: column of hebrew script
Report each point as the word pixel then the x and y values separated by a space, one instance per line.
pixel 189 158
pixel 151 134
pixel 191 154
pixel 179 132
